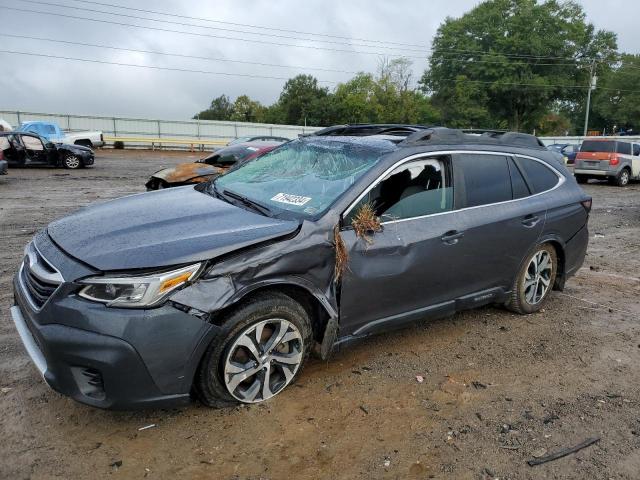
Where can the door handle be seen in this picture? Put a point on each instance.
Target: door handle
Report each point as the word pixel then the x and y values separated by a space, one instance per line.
pixel 452 237
pixel 530 220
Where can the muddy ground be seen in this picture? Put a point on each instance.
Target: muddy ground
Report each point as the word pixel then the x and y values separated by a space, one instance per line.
pixel 498 388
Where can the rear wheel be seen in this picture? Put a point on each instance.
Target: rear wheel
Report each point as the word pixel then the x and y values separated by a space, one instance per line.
pixel 261 350
pixel 71 161
pixel 582 178
pixel 534 281
pixel 622 179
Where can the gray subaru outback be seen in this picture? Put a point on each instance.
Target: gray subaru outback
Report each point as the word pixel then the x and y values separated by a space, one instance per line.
pixel 222 290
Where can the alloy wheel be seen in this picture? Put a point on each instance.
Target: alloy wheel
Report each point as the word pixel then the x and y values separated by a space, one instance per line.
pixel 72 161
pixel 537 280
pixel 263 360
pixel 624 177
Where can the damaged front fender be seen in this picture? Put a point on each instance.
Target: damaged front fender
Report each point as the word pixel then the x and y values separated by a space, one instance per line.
pixel 305 261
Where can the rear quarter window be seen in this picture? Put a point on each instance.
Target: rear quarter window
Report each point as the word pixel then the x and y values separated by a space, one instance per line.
pixel 539 177
pixel 624 148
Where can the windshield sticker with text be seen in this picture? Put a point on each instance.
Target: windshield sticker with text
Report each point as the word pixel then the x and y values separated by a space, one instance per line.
pixel 291 199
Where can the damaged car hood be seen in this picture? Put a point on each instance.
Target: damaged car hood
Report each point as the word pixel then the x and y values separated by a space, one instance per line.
pixel 164 228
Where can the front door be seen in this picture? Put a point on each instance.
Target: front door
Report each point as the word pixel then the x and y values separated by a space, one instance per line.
pixel 407 269
pixel 35 149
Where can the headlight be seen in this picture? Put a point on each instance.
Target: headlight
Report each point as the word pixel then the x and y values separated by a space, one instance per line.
pixel 132 292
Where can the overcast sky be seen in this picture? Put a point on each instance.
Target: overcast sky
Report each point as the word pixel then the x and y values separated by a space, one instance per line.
pixel 56 85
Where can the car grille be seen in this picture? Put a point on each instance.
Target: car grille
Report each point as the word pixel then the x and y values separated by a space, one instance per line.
pixel 38 277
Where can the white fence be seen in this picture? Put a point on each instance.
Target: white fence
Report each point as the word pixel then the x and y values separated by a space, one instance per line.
pixel 149 128
pixel 577 140
pixel 183 130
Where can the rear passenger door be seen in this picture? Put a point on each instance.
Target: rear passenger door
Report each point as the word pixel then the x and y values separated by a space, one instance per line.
pixel 500 219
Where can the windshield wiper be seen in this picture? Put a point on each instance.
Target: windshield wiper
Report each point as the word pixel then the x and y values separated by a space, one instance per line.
pixel 263 209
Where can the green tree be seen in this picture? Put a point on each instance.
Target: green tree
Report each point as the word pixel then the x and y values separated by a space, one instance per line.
pixel 515 59
pixel 301 101
pixel 247 110
pixel 221 108
pixel 553 124
pixel 356 101
pixel 616 100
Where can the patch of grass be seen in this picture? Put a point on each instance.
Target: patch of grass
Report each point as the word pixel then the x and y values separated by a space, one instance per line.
pixel 365 222
pixel 342 256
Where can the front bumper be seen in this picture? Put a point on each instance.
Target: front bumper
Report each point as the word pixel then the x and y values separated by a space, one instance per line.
pixel 4 167
pixel 88 158
pixel 112 358
pixel 94 369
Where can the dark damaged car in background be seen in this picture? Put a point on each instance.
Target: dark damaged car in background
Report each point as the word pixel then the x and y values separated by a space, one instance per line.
pixel 25 149
pixel 208 168
pixel 223 289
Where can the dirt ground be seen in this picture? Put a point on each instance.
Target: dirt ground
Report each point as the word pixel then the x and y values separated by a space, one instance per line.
pixel 498 388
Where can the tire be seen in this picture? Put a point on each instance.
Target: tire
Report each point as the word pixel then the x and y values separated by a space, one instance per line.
pixel 582 179
pixel 71 161
pixel 622 179
pixel 228 360
pixel 524 299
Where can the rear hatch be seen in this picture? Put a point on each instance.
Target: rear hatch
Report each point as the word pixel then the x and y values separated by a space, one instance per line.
pixel 596 155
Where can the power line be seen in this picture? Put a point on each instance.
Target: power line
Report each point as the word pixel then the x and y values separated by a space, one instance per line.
pixel 180 55
pixel 153 67
pixel 207 72
pixel 536 85
pixel 183 24
pixel 155 12
pixel 197 34
pixel 197 57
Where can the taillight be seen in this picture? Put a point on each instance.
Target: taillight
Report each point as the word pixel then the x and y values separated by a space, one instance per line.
pixel 587 204
pixel 614 159
pixel 1 155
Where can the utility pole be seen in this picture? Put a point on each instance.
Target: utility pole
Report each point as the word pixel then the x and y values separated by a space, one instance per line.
pixel 592 86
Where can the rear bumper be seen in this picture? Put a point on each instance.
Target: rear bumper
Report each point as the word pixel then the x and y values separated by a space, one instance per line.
pixel 575 251
pixel 593 173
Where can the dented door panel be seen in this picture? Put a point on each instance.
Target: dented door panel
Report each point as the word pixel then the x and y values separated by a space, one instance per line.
pixel 406 267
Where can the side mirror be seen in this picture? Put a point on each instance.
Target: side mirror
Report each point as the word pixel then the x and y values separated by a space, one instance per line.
pixel 50 145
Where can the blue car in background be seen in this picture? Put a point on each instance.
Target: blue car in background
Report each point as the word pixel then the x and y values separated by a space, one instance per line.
pixel 569 150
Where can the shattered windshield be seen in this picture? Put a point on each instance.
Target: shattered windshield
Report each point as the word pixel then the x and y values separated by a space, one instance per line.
pixel 303 177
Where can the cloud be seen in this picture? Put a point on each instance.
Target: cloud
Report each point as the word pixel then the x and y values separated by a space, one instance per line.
pixel 55 85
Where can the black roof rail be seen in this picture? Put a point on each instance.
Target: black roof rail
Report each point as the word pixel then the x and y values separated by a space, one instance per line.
pixel 366 129
pixel 450 136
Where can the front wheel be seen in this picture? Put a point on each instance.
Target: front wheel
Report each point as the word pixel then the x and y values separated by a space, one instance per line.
pixel 71 162
pixel 534 281
pixel 261 349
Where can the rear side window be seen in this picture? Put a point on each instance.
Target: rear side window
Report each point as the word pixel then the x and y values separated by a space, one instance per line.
pixel 486 178
pixel 539 177
pixel 518 184
pixel 598 146
pixel 624 148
